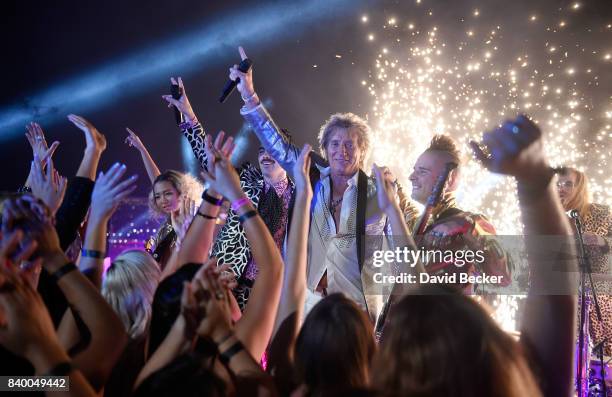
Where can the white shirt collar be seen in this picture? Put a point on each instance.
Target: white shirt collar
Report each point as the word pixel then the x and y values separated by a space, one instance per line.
pixel 325 172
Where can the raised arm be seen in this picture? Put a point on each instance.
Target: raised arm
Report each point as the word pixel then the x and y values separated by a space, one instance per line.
pixel 134 141
pixel 47 184
pixel 108 193
pixel 78 194
pixel 395 210
pixel 106 331
pixel 291 307
pixel 216 323
pixel 271 137
pixel 294 280
pixel 191 128
pixel 107 337
pixel 550 311
pixel 27 329
pixel 255 327
pixel 36 138
pixel 198 240
pixel 95 145
pixel 73 204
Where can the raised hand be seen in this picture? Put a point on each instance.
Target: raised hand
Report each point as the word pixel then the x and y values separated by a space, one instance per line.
pixel 34 218
pixel 221 145
pixel 47 185
pixel 197 294
pixel 94 139
pixel 221 176
pixel 245 86
pixel 16 252
pixel 227 278
pixel 514 149
pixel 182 104
pixel 109 190
pixel 134 141
pixel 25 324
pixel 385 188
pixel 38 143
pixel 301 172
pixel 182 218
pixel 212 297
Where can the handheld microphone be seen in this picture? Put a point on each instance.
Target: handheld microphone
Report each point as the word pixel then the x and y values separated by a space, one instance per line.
pixel 176 92
pixel 244 67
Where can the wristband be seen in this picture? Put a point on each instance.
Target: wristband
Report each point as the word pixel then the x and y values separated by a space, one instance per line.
pixel 93 254
pixel 206 216
pixel 210 199
pixel 62 271
pixel 249 214
pixel 227 355
pixel 61 369
pixel 239 203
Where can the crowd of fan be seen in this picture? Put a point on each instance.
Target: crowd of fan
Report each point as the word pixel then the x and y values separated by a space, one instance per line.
pixel 139 328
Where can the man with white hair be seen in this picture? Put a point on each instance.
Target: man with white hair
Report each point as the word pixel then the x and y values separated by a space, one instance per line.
pixel 344 209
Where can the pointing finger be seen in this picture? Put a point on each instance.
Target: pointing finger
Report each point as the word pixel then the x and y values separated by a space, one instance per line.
pixel 243 55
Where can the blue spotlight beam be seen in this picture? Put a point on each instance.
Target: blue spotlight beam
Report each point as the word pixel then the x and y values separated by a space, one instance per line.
pixel 132 74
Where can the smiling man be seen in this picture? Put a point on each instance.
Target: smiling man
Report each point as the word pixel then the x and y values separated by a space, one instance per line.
pixel 451 228
pixel 344 209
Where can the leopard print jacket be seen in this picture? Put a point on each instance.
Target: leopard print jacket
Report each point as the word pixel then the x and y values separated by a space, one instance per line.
pixel 231 245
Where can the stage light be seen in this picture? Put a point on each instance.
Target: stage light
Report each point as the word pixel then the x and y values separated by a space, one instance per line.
pixel 120 78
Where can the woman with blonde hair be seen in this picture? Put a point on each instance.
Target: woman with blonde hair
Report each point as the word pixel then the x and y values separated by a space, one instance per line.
pixel 174 195
pixel 596 219
pixel 128 286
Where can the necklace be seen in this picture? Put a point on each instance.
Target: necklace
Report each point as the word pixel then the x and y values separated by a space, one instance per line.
pixel 335 204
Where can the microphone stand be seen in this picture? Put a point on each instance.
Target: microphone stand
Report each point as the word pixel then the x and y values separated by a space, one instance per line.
pixel 598 349
pixel 585 271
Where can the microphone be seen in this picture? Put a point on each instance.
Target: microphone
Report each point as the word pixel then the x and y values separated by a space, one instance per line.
pixel 574 214
pixel 244 67
pixel 176 92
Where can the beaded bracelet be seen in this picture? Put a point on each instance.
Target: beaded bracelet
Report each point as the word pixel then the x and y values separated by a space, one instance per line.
pixel 210 199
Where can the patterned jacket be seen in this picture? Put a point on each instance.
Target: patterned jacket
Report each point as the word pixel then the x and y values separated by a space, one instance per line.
pixel 452 229
pixel 231 244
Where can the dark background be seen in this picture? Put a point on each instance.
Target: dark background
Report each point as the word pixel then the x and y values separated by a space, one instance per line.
pixel 47 43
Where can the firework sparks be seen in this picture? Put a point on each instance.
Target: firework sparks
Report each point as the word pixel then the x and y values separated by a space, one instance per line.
pixel 465 84
pixel 426 85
